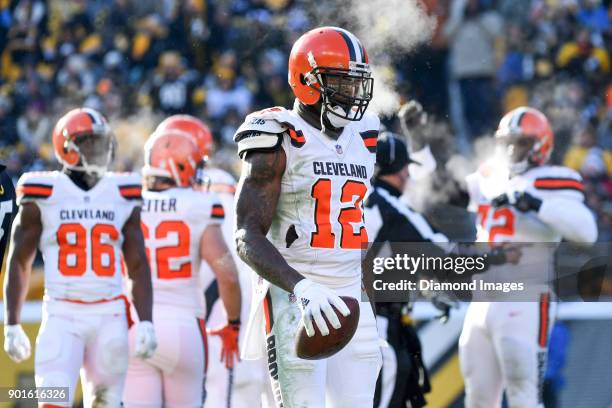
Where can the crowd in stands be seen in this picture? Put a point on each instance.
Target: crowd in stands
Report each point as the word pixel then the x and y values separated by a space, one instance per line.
pixel 138 61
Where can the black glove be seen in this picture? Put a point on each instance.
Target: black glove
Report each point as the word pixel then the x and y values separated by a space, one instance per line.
pixel 523 201
pixel 412 118
pixel 500 255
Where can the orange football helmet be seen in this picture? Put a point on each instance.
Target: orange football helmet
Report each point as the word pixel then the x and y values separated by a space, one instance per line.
pixel 330 64
pixel 83 141
pixel 192 126
pixel 172 154
pixel 529 127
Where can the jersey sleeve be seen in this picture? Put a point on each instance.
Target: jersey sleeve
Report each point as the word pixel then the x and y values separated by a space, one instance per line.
pixel 369 130
pixel 217 212
pixel 130 188
pixel 35 187
pixel 259 132
pixel 559 182
pixel 563 209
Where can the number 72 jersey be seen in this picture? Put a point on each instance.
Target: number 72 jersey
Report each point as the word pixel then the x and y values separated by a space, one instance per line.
pixel 507 224
pixel 81 236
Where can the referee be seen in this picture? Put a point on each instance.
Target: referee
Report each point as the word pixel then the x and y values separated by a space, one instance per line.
pixel 403 377
pixel 7 212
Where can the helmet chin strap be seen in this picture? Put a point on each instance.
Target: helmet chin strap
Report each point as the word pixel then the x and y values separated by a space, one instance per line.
pixel 329 119
pixel 315 116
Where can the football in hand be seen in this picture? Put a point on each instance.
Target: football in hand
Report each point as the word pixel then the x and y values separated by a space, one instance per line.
pixel 319 346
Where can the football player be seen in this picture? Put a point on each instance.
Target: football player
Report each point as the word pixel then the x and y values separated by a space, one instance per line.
pixel 181 228
pixel 85 220
pixel 228 383
pixel 503 344
pixel 300 224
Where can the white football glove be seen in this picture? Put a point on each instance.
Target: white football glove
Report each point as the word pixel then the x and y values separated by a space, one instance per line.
pixel 314 301
pixel 16 343
pixel 145 342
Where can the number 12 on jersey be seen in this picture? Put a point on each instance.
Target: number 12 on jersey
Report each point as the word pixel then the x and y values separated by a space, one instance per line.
pixel 351 212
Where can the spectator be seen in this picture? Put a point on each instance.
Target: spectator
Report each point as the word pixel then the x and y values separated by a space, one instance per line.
pixel 581 57
pixel 8 125
pixel 587 157
pixel 33 127
pixel 172 88
pixel 517 66
pixel 594 16
pixel 227 93
pixel 24 33
pixel 472 32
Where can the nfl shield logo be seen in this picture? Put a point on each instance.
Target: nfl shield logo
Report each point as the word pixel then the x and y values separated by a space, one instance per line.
pixel 338 149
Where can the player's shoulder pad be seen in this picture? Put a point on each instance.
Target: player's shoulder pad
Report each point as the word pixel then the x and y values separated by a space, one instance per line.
pixel 129 184
pixel 556 178
pixel 369 128
pixel 36 185
pixel 260 131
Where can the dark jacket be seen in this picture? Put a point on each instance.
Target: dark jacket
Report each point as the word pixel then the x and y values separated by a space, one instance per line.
pixel 8 209
pixel 400 223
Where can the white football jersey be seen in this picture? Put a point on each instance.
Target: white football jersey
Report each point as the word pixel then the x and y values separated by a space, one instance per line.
pixel 319 223
pixel 82 235
pixel 561 192
pixel 173 222
pixel 507 224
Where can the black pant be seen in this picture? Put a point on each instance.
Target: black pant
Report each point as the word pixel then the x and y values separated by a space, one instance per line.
pixel 411 380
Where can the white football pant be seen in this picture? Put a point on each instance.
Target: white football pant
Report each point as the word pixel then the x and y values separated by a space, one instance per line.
pixel 503 346
pixel 95 344
pixel 174 376
pixel 344 380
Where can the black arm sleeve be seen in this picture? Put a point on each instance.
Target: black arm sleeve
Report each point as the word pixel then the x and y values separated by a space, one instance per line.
pixel 8 209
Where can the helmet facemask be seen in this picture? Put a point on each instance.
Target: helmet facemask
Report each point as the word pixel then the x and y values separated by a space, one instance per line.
pixel 95 151
pixel 518 149
pixel 345 93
